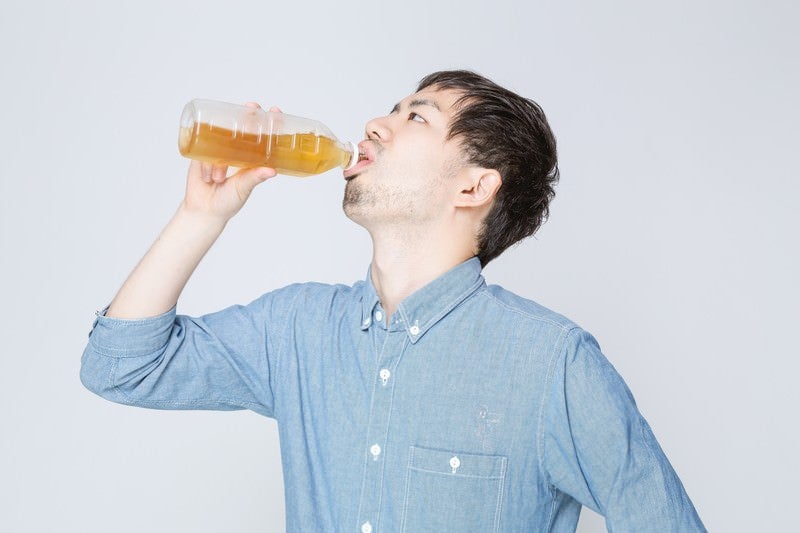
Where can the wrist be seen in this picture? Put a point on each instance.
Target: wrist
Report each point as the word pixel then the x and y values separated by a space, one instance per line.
pixel 201 219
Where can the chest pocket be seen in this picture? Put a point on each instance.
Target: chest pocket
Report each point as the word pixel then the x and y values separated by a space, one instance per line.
pixel 452 491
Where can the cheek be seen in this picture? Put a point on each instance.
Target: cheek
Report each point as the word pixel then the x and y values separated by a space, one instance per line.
pixel 423 161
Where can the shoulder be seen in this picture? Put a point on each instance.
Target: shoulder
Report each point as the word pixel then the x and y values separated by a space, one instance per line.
pixel 310 297
pixel 541 323
pixel 526 309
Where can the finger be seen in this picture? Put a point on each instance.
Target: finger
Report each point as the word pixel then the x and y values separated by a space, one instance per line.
pixel 257 173
pixel 205 172
pixel 195 169
pixel 256 105
pixel 248 178
pixel 219 173
pixel 268 172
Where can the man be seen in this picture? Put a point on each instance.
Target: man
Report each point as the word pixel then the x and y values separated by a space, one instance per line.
pixel 420 399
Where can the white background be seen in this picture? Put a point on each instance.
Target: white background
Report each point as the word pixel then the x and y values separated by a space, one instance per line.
pixel 672 237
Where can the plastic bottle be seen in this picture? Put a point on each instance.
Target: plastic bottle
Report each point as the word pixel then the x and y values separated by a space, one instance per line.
pixel 241 136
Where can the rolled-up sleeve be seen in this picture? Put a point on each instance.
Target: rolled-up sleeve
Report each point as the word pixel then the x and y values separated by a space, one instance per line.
pixel 219 361
pixel 600 450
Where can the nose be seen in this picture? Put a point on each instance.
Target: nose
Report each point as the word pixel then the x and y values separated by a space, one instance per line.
pixel 378 129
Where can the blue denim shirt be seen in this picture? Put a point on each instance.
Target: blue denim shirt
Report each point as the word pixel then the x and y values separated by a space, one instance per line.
pixel 471 410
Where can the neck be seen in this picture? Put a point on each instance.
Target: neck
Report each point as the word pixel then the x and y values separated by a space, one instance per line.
pixel 403 262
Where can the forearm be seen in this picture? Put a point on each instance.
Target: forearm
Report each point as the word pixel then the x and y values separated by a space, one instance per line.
pixel 158 280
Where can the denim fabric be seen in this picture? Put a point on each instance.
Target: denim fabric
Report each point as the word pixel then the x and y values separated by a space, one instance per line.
pixel 471 410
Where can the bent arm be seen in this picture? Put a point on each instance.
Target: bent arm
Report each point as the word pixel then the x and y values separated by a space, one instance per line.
pixel 141 353
pixel 211 200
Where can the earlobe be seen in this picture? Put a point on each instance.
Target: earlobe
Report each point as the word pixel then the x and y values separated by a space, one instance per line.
pixel 484 184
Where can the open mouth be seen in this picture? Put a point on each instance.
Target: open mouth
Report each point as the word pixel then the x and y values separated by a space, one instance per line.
pixel 365 158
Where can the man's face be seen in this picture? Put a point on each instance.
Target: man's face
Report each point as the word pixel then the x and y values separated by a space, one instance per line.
pixel 409 166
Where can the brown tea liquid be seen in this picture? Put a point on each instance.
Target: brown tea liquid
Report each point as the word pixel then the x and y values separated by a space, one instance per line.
pixel 295 154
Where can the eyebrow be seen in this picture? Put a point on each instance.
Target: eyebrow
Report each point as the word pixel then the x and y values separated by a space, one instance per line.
pixel 417 103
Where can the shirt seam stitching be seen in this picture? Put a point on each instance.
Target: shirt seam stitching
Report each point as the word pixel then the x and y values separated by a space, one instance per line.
pixel 388 423
pixel 365 464
pixel 408 485
pixel 539 318
pixel 449 474
pixel 558 347
pixel 500 493
pixel 282 339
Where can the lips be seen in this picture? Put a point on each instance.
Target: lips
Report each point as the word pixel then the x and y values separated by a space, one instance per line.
pixel 366 156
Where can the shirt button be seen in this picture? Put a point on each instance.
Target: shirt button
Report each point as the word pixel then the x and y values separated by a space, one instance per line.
pixel 375 450
pixel 366 321
pixel 384 374
pixel 414 330
pixel 366 527
pixel 455 462
pixel 378 316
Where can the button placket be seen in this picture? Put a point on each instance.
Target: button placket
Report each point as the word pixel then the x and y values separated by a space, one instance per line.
pixel 383 389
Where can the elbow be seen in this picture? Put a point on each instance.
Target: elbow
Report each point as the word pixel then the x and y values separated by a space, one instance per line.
pixel 121 354
pixel 96 373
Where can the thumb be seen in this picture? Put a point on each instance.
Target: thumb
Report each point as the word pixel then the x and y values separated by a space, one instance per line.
pixel 248 178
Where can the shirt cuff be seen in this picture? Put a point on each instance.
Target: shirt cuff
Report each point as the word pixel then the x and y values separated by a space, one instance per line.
pixel 126 337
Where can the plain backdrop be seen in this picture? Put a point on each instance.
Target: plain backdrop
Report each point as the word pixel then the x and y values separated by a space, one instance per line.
pixel 672 237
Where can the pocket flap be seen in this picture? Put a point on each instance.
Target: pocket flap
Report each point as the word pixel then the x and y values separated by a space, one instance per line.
pixel 457 463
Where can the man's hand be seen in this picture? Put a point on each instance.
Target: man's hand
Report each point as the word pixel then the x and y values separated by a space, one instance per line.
pixel 212 198
pixel 210 191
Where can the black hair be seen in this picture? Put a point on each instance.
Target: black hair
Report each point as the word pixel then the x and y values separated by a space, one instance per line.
pixel 504 131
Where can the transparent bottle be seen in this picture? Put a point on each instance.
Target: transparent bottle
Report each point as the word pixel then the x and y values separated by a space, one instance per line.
pixel 241 136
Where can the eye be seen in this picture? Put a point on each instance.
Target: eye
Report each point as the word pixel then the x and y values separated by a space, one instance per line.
pixel 416 118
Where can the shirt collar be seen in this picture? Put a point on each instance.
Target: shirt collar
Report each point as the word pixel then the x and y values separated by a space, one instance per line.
pixel 429 304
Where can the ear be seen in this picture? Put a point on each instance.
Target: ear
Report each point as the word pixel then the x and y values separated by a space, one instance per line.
pixel 478 188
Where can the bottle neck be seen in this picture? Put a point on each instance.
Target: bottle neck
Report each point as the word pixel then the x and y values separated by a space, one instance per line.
pixel 349 155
